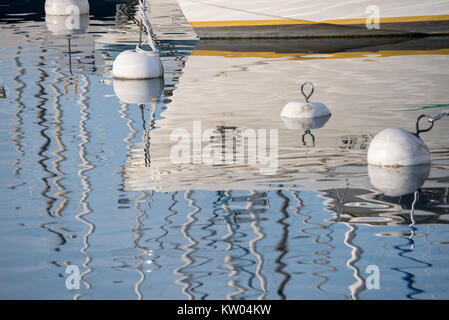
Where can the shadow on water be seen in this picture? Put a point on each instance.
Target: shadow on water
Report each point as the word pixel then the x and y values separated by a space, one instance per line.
pixel 366 207
pixel 282 246
pixel 42 121
pixel 299 47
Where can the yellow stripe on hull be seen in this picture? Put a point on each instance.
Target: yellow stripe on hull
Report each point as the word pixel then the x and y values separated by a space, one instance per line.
pixel 244 23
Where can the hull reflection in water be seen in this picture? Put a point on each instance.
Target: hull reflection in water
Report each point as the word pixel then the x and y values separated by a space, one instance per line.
pixel 269 237
pixel 258 77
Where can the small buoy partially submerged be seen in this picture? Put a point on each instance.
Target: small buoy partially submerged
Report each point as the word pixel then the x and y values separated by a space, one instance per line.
pixel 305 109
pixel 138 91
pixel 139 64
pixel 395 182
pixel 305 115
pixel 395 147
pixel 66 7
pixel 305 123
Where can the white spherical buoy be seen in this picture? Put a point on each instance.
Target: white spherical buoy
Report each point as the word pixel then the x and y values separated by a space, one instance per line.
pixel 133 65
pixel 66 7
pixel 305 109
pixel 58 25
pixel 138 91
pixel 305 123
pixel 395 182
pixel 395 147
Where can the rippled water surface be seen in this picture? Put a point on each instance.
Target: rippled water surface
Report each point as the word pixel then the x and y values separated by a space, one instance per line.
pixel 87 178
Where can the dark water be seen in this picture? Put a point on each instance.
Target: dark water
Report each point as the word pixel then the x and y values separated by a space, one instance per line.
pixel 85 182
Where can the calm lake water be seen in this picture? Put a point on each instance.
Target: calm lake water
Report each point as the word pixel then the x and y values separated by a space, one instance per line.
pixel 87 178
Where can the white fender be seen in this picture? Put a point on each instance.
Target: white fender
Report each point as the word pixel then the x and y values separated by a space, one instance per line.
pixel 138 91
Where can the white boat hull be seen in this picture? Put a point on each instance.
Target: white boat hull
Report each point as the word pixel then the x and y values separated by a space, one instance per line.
pixel 294 18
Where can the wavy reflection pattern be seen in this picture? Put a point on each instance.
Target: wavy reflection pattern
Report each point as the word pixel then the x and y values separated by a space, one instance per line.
pixel 227 245
pixel 84 178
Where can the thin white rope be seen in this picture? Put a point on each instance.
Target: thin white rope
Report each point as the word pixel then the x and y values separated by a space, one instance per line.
pixel 146 22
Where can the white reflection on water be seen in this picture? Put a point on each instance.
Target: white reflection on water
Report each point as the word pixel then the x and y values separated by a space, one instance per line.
pixel 150 230
pixel 82 173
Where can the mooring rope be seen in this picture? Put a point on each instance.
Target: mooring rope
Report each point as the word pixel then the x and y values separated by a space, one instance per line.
pixel 146 22
pixel 429 119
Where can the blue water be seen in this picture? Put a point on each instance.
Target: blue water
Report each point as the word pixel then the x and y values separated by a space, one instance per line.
pixel 65 146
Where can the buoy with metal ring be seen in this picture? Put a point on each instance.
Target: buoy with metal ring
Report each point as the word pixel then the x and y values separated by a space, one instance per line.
pixel 395 147
pixel 305 109
pixel 139 64
pixel 58 26
pixel 305 124
pixel 66 7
